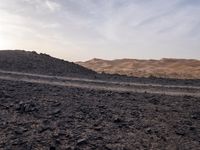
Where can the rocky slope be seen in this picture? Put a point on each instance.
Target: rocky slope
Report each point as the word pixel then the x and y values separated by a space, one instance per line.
pixel 31 62
pixel 165 68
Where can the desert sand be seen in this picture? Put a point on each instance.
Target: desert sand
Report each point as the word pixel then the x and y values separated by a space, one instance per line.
pixel 165 68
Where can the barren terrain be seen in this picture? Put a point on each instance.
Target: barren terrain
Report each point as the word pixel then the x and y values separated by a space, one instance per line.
pixel 44 115
pixel 165 68
pixel 79 109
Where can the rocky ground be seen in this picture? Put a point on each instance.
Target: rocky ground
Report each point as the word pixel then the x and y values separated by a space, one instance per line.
pixel 60 105
pixel 49 117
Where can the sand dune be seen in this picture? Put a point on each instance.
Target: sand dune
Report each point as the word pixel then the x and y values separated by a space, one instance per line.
pixel 166 67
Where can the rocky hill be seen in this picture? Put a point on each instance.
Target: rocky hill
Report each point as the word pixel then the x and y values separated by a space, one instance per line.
pixel 31 62
pixel 164 68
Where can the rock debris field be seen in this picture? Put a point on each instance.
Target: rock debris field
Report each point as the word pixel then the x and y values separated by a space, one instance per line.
pixel 47 117
pixel 40 112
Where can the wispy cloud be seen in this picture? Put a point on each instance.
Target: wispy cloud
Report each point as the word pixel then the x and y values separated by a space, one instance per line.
pixel 52 5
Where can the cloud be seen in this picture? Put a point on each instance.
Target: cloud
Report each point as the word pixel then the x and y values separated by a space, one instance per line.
pixel 43 5
pixel 52 5
pixel 106 28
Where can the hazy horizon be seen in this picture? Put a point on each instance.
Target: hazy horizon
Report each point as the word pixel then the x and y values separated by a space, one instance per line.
pixel 106 29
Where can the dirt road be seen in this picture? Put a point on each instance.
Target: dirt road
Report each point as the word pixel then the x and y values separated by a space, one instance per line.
pixel 101 84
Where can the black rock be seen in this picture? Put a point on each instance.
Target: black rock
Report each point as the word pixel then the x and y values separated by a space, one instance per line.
pixel 26 107
pixel 55 112
pixel 154 101
pixel 148 130
pixel 28 146
pixel 195 115
pixel 20 130
pixel 117 120
pixel 98 128
pixel 44 128
pixel 181 130
pixel 82 141
pixel 52 148
pixel 18 142
pixel 3 124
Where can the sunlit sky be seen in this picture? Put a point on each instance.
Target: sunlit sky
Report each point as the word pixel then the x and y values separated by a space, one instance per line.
pixel 83 29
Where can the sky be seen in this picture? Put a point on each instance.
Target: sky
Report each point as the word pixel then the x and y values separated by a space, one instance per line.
pixel 79 30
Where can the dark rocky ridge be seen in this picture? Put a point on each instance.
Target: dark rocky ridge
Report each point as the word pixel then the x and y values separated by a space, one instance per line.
pixel 31 62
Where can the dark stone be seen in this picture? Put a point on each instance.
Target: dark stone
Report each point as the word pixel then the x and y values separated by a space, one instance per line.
pixel 23 107
pixel 18 142
pixel 148 130
pixel 62 132
pixel 102 106
pixel 20 130
pixel 46 122
pixel 4 106
pixel 3 124
pixel 28 146
pixel 44 128
pixel 195 115
pixel 56 104
pixel 98 128
pixel 181 130
pixel 192 128
pixel 82 141
pixel 154 101
pixel 57 141
pixel 52 148
pixel 55 112
pixel 117 120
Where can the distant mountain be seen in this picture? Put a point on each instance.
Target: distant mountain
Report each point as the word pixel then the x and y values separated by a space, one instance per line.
pixel 31 62
pixel 165 68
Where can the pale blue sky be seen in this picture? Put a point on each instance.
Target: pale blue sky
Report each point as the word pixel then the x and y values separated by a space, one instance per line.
pixel 109 29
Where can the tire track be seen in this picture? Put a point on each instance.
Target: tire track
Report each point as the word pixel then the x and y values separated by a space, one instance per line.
pixel 100 84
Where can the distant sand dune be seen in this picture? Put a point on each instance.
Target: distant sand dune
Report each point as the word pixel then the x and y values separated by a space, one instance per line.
pixel 166 67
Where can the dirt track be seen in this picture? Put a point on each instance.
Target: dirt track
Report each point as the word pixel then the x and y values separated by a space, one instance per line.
pixel 54 113
pixel 100 84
